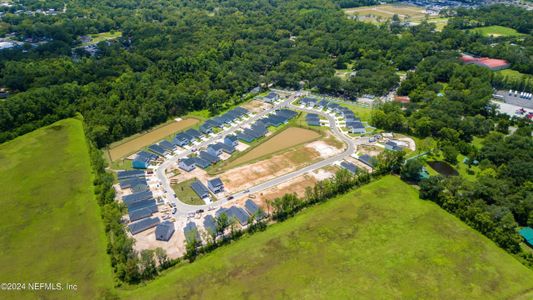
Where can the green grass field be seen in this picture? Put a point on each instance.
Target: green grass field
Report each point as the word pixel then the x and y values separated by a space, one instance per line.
pixel 51 230
pixel 186 194
pixel 514 75
pixel 103 36
pixel 363 112
pixel 497 31
pixel 378 242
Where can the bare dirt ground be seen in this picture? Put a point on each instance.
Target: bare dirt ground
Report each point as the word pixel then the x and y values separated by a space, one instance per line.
pixel 241 147
pixel 370 150
pixel 246 176
pixel 143 140
pixel 410 142
pixel 324 149
pixel 256 106
pixel 175 247
pixel 296 185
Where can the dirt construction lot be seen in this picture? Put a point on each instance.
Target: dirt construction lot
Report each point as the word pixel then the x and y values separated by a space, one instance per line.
pixel 249 175
pixel 143 140
pixel 290 137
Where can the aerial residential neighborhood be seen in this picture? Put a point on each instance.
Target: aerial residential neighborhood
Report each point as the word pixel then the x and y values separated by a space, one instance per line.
pixel 299 149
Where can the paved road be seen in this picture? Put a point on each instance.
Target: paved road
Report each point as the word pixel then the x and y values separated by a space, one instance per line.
pixel 160 172
pixel 184 209
pixel 510 109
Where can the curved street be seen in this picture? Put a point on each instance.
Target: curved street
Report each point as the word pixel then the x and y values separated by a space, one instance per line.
pixel 184 209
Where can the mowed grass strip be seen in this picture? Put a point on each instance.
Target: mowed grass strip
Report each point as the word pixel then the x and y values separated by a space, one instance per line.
pixel 290 137
pixel 378 242
pixel 50 229
pixel 137 142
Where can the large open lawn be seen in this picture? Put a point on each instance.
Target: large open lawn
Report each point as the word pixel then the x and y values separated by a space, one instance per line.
pixel 377 14
pixel 136 142
pixel 103 36
pixel 497 31
pixel 186 194
pixel 50 229
pixel 378 242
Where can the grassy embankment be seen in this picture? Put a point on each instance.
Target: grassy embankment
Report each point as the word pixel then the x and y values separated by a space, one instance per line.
pixel 377 242
pixel 51 230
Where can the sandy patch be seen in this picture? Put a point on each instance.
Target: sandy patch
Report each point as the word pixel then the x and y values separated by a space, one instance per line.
pixel 321 174
pixel 175 247
pixel 323 149
pixel 256 106
pixel 409 142
pixel 247 176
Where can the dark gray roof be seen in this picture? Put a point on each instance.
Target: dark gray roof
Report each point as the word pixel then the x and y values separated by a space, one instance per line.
pixel 355 125
pixel 200 162
pixel 271 95
pixel 191 230
pixel 313 122
pixel 216 182
pixel 236 213
pixel 241 110
pixel 127 183
pixel 148 203
pixel 210 158
pixel 164 231
pixel 188 161
pixel 157 149
pixel 166 145
pixel 307 100
pixel 139 214
pixel 231 137
pixel 143 225
pixel 212 123
pixel 130 174
pixel 210 224
pixel 182 137
pixel 367 159
pixel 193 133
pixel 253 209
pixel 245 137
pixel 132 198
pixel 349 166
pixel 312 116
pixel 285 113
pixel 199 188
pixel 147 155
pixel 252 133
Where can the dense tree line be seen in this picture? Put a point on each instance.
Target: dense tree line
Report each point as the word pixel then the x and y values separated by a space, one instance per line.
pixel 450 104
pixel 129 265
pixel 518 50
pixel 175 57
